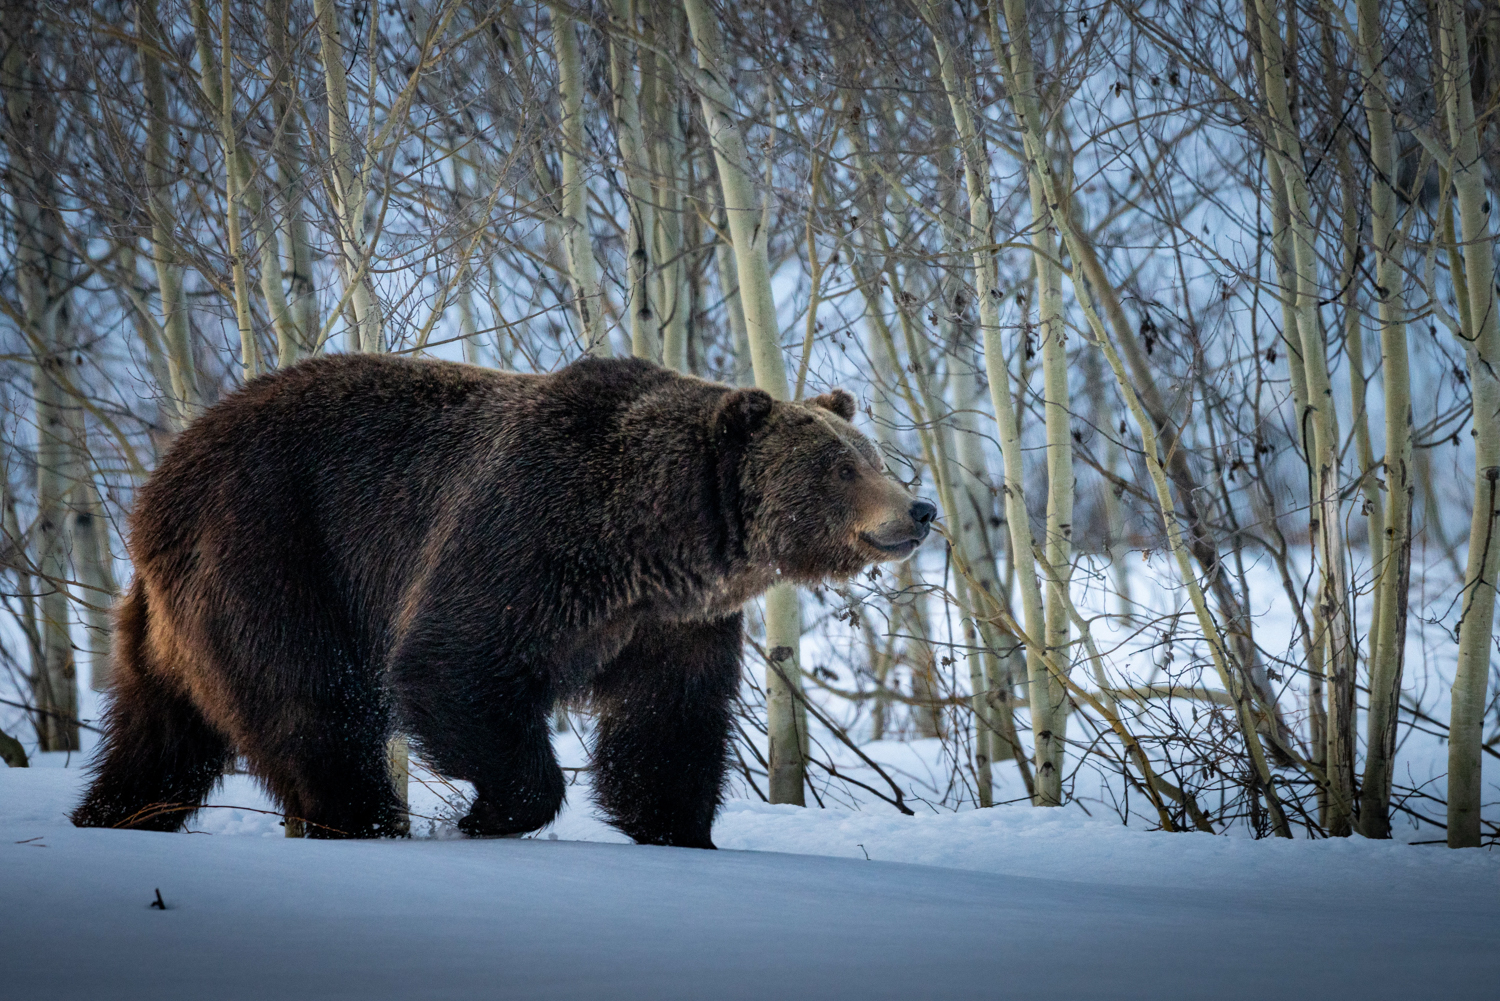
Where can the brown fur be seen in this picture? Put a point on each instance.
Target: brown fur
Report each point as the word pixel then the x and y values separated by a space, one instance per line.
pixel 363 543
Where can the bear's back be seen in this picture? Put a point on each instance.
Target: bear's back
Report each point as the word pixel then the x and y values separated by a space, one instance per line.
pixel 344 464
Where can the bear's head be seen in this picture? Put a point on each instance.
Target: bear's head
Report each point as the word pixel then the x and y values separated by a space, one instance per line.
pixel 814 495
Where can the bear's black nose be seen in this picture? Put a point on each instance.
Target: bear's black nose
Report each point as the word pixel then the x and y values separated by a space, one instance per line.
pixel 922 512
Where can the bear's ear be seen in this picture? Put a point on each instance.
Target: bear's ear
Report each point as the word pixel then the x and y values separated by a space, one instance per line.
pixel 742 412
pixel 837 401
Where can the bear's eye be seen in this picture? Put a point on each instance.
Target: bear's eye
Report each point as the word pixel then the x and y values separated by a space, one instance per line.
pixel 847 471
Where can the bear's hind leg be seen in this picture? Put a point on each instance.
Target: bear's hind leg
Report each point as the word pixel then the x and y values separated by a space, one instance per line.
pixel 664 719
pixel 159 757
pixel 322 755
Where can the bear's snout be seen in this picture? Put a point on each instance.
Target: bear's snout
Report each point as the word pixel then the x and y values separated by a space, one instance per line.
pixel 906 523
pixel 922 513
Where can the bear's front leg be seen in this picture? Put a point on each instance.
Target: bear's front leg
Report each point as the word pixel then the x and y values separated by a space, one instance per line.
pixel 483 721
pixel 664 719
pixel 519 786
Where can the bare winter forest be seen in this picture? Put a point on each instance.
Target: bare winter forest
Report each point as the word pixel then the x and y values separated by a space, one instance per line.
pixel 1184 313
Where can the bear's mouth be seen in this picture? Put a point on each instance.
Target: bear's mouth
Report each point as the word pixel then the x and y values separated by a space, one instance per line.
pixel 892 550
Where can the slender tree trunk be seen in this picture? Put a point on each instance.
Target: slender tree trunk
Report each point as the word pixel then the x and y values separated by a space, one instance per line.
pixel 1049 705
pixel 1324 455
pixel 917 652
pixel 1115 541
pixel 908 612
pixel 1476 637
pixel 249 352
pixel 582 270
pixel 25 581
pixel 96 572
pixel 752 267
pixel 348 194
pixel 1388 646
pixel 668 153
pixel 945 472
pixel 216 80
pixel 729 289
pixel 645 319
pixel 143 321
pixel 1002 665
pixel 160 173
pixel 1039 160
pixel 1046 742
pixel 468 330
pixel 974 495
pixel 287 150
pixel 43 280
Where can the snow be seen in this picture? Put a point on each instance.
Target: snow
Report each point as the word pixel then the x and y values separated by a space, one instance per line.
pixel 1009 901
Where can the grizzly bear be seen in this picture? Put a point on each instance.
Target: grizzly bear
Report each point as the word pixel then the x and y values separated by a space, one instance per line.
pixel 361 544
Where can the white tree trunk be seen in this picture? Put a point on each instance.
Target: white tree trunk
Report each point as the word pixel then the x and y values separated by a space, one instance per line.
pixel 285 102
pixel 43 280
pixel 1324 451
pixel 1476 637
pixel 1047 744
pixel 160 175
pixel 644 282
pixel 1039 161
pixel 582 270
pixel 1387 647
pixel 1049 703
pixel 668 155
pixel 96 574
pixel 348 192
pixel 752 267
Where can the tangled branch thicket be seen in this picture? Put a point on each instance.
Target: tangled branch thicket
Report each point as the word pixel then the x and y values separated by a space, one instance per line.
pixel 1184 314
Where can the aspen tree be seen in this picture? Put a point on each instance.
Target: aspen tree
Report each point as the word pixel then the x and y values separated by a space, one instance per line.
pixel 1387 645
pixel 974 493
pixel 908 614
pixel 1324 452
pixel 348 192
pixel 643 281
pixel 43 279
pixel 729 289
pixel 96 574
pixel 1047 741
pixel 1373 806
pixel 1039 161
pixel 583 272
pixel 176 332
pixel 668 153
pixel 747 235
pixel 25 582
pixel 147 330
pixel 215 78
pixel 1481 332
pixel 927 406
pixel 249 352
pixel 287 150
pixel 1315 639
pixel 1053 704
pixel 1114 521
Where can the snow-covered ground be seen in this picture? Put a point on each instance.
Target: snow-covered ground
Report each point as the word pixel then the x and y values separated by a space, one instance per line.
pixel 1007 902
pixel 852 901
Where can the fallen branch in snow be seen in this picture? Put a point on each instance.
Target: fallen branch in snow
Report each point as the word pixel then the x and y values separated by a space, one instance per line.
pixel 154 810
